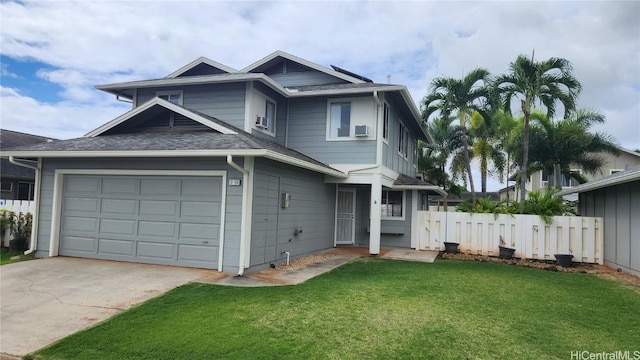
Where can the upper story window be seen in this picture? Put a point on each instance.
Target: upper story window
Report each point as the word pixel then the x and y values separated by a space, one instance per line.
pixel 171 96
pixel 566 181
pixel 268 122
pixel 340 119
pixel 385 123
pixel 403 140
pixel 392 204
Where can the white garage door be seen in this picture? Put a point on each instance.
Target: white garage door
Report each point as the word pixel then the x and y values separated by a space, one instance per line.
pixel 168 220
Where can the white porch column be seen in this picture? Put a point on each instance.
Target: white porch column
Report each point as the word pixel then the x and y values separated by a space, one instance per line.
pixel 375 215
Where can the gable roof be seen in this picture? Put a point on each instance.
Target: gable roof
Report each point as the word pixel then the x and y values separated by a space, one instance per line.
pixel 622 177
pixel 220 141
pixel 199 62
pixel 278 55
pixel 157 102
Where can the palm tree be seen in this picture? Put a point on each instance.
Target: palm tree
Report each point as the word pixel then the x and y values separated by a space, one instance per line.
pixel 433 157
pixel 548 82
pixel 486 146
pixel 568 143
pixel 460 97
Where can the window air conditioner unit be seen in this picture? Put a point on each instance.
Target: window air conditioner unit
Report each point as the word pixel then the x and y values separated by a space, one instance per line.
pixel 361 131
pixel 262 122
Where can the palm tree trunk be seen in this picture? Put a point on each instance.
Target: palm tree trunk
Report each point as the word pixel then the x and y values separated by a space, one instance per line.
pixel 557 176
pixel 483 176
pixel 467 159
pixel 525 155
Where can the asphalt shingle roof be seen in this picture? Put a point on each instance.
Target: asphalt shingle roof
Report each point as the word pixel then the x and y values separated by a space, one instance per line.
pixel 170 140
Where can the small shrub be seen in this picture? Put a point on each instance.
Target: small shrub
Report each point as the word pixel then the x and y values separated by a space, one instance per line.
pixel 539 203
pixel 20 226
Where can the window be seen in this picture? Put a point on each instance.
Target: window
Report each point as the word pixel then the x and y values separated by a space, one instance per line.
pixel 340 119
pixel 566 182
pixel 171 96
pixel 615 171
pixel 415 154
pixel 403 141
pixel 25 191
pixel 385 123
pixel 270 113
pixel 6 186
pixel 392 204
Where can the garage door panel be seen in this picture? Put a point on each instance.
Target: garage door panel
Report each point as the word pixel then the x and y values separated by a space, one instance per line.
pixel 196 254
pixel 120 185
pixel 157 228
pixel 160 187
pixel 199 231
pixel 200 209
pixel 81 244
pixel 118 206
pixel 169 220
pixel 118 226
pixel 116 247
pixel 198 187
pixel 158 207
pixel 156 250
pixel 82 224
pixel 81 204
pixel 82 185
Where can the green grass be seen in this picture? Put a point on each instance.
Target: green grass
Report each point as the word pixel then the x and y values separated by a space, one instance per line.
pixel 376 309
pixel 5 256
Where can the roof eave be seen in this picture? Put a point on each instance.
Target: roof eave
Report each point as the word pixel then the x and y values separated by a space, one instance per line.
pixel 601 184
pixel 433 188
pixel 198 61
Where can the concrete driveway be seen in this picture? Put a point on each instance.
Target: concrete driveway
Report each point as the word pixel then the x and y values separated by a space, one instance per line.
pixel 44 300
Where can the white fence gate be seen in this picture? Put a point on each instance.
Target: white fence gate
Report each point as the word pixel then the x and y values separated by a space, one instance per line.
pixel 528 234
pixel 18 206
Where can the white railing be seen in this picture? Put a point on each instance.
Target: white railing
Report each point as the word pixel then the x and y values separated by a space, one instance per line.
pixel 528 234
pixel 18 206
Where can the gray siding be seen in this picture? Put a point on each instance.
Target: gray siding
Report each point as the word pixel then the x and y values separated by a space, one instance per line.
pixel 233 195
pixel 288 73
pixel 394 233
pixel 390 155
pixel 222 101
pixel 308 134
pixel 619 206
pixel 312 209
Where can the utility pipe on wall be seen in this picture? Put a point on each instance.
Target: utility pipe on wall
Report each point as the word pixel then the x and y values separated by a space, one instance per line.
pixel 245 195
pixel 34 221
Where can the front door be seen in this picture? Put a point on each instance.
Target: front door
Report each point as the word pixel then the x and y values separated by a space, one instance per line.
pixel 345 216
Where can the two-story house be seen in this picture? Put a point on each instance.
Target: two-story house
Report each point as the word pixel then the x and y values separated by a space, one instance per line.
pixel 235 169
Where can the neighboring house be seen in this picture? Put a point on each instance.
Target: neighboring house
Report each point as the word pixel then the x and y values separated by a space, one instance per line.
pixel 17 182
pixel 234 170
pixel 613 164
pixel 615 198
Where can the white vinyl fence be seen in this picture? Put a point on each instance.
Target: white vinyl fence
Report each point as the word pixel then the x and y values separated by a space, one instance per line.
pixel 528 234
pixel 18 206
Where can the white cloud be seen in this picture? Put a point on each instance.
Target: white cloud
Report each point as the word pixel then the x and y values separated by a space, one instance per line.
pixel 87 43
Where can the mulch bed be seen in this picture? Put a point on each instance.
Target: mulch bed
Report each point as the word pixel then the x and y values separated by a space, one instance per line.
pixel 585 268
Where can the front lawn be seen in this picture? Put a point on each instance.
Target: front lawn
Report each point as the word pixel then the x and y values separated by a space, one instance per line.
pixel 376 309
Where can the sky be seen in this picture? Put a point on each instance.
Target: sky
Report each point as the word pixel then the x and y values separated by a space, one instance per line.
pixel 53 53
